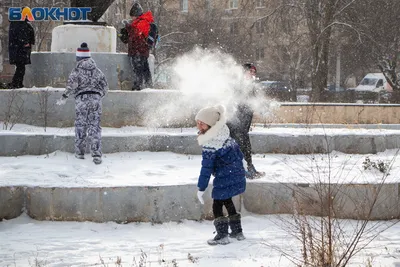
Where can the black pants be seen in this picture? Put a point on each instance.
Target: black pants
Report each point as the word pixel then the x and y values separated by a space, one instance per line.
pixel 141 72
pixel 239 128
pixel 18 78
pixel 218 204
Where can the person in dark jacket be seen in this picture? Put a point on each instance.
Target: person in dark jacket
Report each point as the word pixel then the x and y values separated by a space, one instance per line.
pixel 239 126
pixel 138 47
pixel 88 85
pixel 223 159
pixel 21 37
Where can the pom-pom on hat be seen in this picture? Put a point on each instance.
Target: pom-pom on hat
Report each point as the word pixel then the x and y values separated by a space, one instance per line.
pixel 210 115
pixel 83 51
pixel 136 10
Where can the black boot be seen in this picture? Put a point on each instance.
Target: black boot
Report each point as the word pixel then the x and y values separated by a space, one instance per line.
pixel 221 225
pixel 252 173
pixel 236 227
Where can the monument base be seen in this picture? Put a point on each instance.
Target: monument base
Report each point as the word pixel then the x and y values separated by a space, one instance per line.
pixel 66 38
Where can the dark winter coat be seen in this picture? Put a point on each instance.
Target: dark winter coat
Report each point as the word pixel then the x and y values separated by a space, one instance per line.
pixel 222 158
pixel 86 77
pixel 244 95
pixel 21 37
pixel 138 32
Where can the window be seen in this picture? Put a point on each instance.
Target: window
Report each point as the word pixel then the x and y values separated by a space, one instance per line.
pixel 259 26
pixel 10 3
pixel 184 6
pixel 259 53
pixel 234 28
pixel 233 4
pixel 260 3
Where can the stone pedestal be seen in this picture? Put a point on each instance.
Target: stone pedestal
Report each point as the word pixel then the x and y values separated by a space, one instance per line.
pixel 53 68
pixel 67 38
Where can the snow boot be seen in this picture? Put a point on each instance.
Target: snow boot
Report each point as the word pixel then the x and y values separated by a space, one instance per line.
pixel 97 160
pixel 252 173
pixel 236 227
pixel 221 225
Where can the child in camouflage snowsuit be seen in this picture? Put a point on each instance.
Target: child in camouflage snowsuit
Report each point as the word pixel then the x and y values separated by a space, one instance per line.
pixel 88 85
pixel 223 159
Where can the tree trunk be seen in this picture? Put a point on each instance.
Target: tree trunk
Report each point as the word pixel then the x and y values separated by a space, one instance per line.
pixel 319 78
pixel 319 19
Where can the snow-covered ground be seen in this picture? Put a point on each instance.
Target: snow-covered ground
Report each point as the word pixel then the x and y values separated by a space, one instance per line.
pixel 257 129
pixel 62 169
pixel 26 242
pixel 163 168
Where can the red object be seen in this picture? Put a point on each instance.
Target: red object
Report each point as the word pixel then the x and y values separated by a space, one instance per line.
pixel 138 32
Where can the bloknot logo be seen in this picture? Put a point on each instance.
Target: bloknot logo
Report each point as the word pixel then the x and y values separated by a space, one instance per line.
pixel 48 13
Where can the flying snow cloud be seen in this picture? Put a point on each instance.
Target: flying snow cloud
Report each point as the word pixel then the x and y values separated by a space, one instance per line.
pixel 202 78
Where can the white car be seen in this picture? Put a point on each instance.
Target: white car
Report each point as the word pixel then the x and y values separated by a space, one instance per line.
pixel 374 82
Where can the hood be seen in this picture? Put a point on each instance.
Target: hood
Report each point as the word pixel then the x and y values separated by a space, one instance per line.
pixel 87 64
pixel 148 16
pixel 217 134
pixel 371 88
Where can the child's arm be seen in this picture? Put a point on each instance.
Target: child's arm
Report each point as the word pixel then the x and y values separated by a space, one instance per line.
pixel 72 83
pixel 207 168
pixel 103 84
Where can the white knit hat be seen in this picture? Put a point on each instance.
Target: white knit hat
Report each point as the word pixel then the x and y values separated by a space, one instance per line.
pixel 210 115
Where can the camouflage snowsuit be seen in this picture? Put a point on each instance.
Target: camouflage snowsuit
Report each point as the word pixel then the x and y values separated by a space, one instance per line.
pixel 88 85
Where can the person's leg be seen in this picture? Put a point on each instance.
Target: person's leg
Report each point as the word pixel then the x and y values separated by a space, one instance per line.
pixel 217 208
pixel 137 78
pixel 230 207
pixel 81 114
pixel 239 134
pixel 146 73
pixel 94 128
pixel 18 78
pixel 220 223
pixel 245 147
pixel 247 117
pixel 234 220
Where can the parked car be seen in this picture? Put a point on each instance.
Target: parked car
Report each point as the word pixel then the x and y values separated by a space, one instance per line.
pixel 374 82
pixel 280 90
pixel 332 88
pixel 276 86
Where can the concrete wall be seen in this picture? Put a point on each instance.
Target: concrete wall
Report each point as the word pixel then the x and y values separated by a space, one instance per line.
pixel 12 144
pixel 348 201
pixel 336 113
pixel 167 108
pixel 120 108
pixel 67 38
pixel 12 202
pixel 179 202
pixel 52 69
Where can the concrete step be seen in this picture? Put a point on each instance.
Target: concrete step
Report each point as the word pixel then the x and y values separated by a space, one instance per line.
pixel 178 202
pixel 16 144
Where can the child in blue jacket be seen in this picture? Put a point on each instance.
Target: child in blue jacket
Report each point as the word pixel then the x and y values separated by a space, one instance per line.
pixel 223 159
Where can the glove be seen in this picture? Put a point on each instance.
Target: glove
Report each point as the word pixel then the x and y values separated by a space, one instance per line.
pixel 200 196
pixel 126 22
pixel 62 100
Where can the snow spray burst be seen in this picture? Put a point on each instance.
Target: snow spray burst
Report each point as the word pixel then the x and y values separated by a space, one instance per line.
pixel 203 78
pixel 207 74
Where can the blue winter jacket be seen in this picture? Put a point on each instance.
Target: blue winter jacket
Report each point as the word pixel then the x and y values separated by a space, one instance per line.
pixel 223 159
